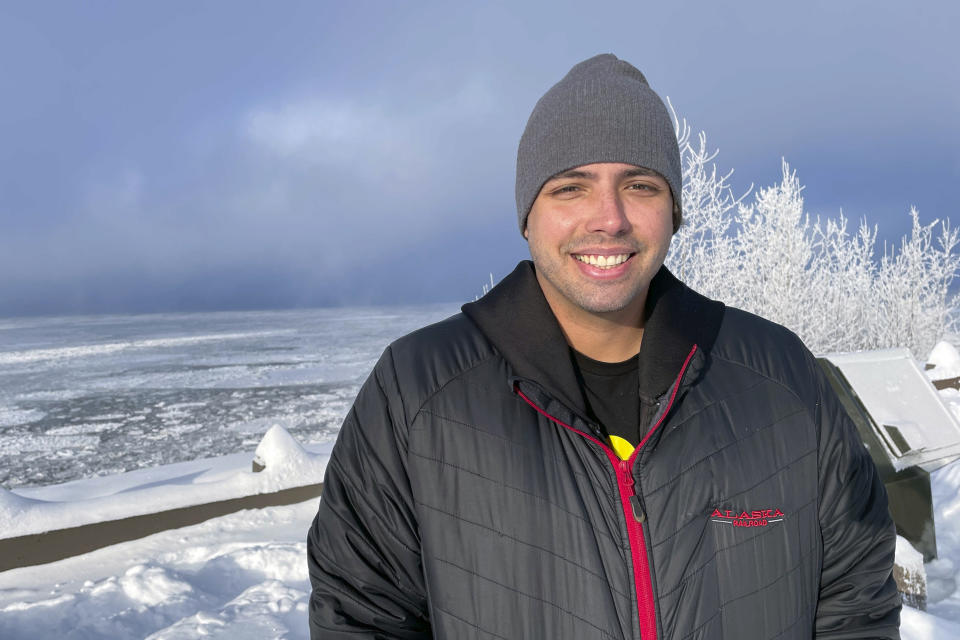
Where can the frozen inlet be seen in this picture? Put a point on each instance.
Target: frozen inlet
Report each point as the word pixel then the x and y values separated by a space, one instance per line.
pixel 906 428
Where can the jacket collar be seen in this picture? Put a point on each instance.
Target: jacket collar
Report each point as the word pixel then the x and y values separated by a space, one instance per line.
pixel 516 318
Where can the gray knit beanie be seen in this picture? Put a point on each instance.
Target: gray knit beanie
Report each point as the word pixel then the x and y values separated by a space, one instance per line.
pixel 603 110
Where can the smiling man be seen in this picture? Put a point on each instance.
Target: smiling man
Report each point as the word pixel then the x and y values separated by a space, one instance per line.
pixel 598 234
pixel 593 450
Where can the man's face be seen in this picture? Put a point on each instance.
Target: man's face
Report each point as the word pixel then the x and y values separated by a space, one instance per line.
pixel 598 234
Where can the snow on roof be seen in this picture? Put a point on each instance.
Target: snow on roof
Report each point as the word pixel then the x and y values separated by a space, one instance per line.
pixel 914 425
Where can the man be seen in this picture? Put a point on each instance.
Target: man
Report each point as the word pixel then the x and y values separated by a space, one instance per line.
pixel 593 450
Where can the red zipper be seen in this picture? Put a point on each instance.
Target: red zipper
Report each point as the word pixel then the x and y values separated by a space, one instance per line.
pixel 632 510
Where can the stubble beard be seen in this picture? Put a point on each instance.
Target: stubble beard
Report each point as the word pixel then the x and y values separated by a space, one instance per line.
pixel 592 297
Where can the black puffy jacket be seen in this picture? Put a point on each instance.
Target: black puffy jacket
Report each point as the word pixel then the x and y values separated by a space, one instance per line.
pixel 469 496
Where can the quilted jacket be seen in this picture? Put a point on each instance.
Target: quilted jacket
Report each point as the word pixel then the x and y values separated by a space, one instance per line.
pixel 469 496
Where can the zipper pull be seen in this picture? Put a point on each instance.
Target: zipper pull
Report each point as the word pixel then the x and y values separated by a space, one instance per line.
pixel 638 513
pixel 626 477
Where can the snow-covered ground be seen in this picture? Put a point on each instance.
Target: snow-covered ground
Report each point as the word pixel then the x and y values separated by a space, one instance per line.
pixel 244 575
pixel 238 576
pixel 241 575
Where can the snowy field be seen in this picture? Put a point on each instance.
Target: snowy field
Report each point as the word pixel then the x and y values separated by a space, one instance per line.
pixel 239 576
pixel 243 575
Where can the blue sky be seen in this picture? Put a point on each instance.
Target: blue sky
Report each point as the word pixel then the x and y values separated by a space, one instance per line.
pixel 235 155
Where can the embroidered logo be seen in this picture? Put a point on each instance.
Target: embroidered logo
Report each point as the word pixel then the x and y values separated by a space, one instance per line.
pixel 756 518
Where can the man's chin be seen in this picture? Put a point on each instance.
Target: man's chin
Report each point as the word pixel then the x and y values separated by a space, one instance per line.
pixel 608 302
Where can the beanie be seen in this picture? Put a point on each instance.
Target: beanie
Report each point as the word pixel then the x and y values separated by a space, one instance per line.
pixel 603 110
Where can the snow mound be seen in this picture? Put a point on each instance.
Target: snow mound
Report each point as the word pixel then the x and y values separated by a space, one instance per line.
pixel 151 586
pixel 267 610
pixel 945 360
pixel 278 448
pixel 285 461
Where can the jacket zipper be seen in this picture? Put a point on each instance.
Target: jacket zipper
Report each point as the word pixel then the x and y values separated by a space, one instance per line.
pixel 632 509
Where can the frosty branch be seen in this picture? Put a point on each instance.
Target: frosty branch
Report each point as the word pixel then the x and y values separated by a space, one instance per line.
pixel 826 284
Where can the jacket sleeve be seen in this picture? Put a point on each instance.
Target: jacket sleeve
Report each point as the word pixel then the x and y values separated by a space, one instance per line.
pixel 363 549
pixel 858 595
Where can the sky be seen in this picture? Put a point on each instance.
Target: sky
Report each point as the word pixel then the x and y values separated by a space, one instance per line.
pixel 176 156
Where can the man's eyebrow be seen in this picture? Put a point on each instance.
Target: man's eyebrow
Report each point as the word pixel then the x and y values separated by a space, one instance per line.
pixel 589 175
pixel 640 171
pixel 574 173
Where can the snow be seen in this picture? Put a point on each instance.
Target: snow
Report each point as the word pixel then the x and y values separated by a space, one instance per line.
pixel 917 625
pixel 945 360
pixel 10 417
pixel 26 511
pixel 900 397
pixel 99 395
pixel 283 457
pixel 83 351
pixel 908 557
pixel 244 575
pixel 238 576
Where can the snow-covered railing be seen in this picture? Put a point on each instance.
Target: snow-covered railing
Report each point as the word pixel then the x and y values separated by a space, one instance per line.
pixel 45 524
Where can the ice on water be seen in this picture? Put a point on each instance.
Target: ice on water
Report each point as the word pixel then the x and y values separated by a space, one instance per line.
pixel 85 396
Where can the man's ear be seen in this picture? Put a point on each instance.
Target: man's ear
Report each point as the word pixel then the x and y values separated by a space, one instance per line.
pixel 526 234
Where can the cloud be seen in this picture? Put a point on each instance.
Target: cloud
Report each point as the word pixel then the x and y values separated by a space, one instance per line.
pixel 338 129
pixel 335 129
pixel 376 172
pixel 111 200
pixel 308 199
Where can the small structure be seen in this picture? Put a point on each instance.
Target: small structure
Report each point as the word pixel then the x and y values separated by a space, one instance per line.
pixel 905 426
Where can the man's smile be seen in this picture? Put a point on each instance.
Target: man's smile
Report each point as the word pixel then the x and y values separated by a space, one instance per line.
pixel 603 261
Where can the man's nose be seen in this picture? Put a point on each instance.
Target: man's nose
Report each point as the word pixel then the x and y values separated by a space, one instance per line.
pixel 609 214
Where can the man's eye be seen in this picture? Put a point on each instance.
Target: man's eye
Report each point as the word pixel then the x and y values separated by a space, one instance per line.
pixel 643 186
pixel 567 188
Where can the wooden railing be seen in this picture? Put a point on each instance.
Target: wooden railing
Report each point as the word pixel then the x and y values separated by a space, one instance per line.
pixel 40 548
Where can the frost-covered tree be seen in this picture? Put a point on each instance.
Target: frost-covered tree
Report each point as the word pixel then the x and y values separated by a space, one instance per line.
pixel 825 283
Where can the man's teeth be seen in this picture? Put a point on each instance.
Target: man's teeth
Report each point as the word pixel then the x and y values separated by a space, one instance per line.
pixel 604 262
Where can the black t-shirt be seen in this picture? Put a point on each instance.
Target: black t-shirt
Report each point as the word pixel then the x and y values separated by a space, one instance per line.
pixel 611 392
